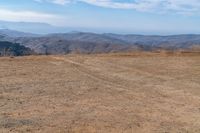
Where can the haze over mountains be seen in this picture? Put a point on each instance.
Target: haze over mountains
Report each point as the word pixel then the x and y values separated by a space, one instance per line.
pixel 85 42
pixel 33 27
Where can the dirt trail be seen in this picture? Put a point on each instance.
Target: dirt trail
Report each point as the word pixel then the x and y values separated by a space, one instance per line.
pixel 103 78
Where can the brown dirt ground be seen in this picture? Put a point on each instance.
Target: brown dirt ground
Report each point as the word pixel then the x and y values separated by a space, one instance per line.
pixel 113 93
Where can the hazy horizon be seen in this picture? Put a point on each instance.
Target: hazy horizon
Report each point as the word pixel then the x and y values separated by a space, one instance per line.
pixel 148 17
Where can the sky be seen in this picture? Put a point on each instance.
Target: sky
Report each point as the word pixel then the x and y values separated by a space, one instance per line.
pixel 117 16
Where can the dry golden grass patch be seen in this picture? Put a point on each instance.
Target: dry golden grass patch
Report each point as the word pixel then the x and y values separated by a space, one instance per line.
pixel 131 92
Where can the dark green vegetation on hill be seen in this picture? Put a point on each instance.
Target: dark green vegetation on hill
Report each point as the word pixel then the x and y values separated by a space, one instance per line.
pixel 13 49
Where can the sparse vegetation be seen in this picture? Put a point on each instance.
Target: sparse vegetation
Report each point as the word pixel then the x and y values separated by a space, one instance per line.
pixel 129 92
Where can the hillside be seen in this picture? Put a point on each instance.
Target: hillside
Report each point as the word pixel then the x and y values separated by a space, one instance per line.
pixel 75 43
pixel 106 93
pixel 83 42
pixel 103 43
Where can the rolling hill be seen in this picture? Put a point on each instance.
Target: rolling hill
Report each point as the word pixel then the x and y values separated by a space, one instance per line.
pixel 83 42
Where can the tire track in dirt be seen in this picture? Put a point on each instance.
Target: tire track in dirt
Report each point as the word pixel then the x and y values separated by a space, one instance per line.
pixel 107 79
pixel 142 72
pixel 125 84
pixel 91 74
pixel 156 77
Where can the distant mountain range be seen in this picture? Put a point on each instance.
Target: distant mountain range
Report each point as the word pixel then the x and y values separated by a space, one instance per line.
pixel 33 27
pixel 13 33
pixel 83 42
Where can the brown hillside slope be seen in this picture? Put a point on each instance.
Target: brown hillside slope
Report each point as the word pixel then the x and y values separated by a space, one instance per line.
pixel 140 93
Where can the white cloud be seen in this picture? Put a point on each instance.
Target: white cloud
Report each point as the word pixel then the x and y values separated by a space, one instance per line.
pixel 30 16
pixel 60 2
pixel 177 6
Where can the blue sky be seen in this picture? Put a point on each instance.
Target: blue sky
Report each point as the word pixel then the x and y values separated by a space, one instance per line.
pixel 119 16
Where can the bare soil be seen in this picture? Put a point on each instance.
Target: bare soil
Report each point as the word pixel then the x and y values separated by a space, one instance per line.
pixel 111 93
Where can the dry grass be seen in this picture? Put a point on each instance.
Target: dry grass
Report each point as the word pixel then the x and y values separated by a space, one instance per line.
pixel 129 93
